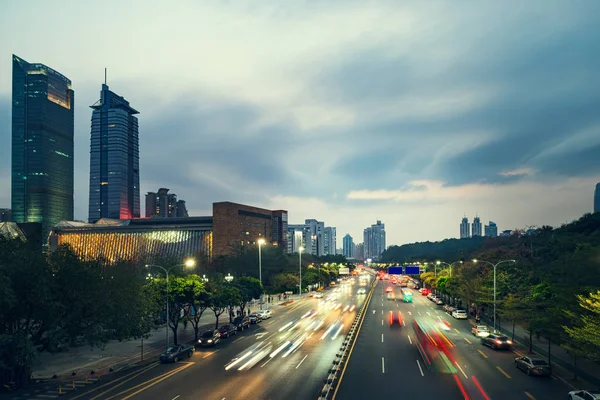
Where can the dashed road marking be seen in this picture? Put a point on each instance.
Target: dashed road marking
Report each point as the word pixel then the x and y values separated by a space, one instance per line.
pixel 467 340
pixel 503 372
pixel 482 353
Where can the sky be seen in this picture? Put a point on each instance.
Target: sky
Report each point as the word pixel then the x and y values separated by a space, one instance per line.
pixel 413 113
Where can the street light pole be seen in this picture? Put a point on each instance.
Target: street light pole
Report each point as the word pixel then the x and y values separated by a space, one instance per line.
pixel 494 266
pixel 260 243
pixel 190 263
pixel 300 266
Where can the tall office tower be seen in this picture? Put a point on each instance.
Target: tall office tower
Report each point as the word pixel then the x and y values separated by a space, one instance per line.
pixel 597 198
pixel 280 228
pixel 42 145
pixel 491 230
pixel 317 241
pixel 114 159
pixel 161 204
pixel 182 211
pixel 299 236
pixel 359 251
pixel 330 240
pixel 464 228
pixel 374 240
pixel 476 227
pixel 348 246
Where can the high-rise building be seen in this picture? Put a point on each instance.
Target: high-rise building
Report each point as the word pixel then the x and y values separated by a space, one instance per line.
pixel 330 240
pixel 597 198
pixel 5 215
pixel 317 229
pixel 114 159
pixel 348 246
pixel 280 228
pixel 476 227
pixel 42 145
pixel 464 228
pixel 491 229
pixel 374 240
pixel 359 251
pixel 299 236
pixel 182 211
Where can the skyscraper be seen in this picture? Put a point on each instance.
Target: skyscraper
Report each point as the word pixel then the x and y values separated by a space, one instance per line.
pixel 597 198
pixel 42 145
pixel 476 227
pixel 464 228
pixel 317 229
pixel 348 246
pixel 114 159
pixel 374 240
pixel 491 230
pixel 329 235
pixel 280 228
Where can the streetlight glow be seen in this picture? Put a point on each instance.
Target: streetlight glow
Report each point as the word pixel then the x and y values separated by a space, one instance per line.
pixel 260 241
pixel 190 263
pixel 494 267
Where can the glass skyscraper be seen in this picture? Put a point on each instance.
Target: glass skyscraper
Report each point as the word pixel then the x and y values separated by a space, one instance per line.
pixel 42 145
pixel 114 159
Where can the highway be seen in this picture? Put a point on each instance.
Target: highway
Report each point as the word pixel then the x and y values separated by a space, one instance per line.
pixel 287 356
pixel 385 362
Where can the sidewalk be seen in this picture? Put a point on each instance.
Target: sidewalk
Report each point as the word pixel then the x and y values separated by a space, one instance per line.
pixel 588 372
pixel 119 355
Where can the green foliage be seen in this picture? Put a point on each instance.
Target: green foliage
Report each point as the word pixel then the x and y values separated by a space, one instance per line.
pixel 449 249
pixel 585 334
pixel 285 282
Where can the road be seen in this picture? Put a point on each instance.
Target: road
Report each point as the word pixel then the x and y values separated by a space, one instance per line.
pixel 237 368
pixel 385 362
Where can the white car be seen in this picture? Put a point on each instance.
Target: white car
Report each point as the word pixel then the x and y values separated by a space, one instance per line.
pixel 584 395
pixel 460 314
pixel 318 296
pixel 480 331
pixel 361 291
pixel 265 314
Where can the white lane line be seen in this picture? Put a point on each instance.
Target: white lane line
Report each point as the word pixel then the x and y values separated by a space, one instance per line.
pixel 382 338
pixel 381 322
pixel 409 313
pixel 373 311
pixel 409 340
pixel 176 397
pixel 419 312
pixel 403 323
pixel 461 370
pixel 428 313
pixel 381 312
pixel 299 364
pixel 420 369
pixel 237 340
pixel 382 365
pixel 414 305
pixel 266 362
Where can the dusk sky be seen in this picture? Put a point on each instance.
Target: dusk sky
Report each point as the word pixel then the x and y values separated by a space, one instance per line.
pixel 415 113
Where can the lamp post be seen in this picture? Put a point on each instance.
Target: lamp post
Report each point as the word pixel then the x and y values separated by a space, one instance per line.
pixel 300 265
pixel 229 277
pixel 494 266
pixel 449 265
pixel 189 263
pixel 260 242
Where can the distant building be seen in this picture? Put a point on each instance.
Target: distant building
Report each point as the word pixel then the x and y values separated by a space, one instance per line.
pixel 5 215
pixel 330 240
pixel 476 227
pixel 165 205
pixel 280 228
pixel 597 198
pixel 506 232
pixel 114 159
pixel 317 230
pixel 43 106
pixel 359 251
pixel 348 246
pixel 299 236
pixel 374 240
pixel 464 228
pixel 491 230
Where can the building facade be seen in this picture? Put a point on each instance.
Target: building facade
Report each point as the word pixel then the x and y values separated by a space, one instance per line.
pixel 330 240
pixel 348 246
pixel 464 228
pixel 114 159
pixel 317 242
pixel 43 105
pixel 359 251
pixel 597 198
pixel 476 227
pixel 163 204
pixel 5 215
pixel 280 228
pixel 491 229
pixel 299 235
pixel 374 241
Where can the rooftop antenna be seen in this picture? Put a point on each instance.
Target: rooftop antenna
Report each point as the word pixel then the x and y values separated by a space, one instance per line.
pixel 105 75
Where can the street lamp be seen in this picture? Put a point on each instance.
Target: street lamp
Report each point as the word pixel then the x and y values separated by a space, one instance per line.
pixel 229 277
pixel 260 242
pixel 204 278
pixel 494 266
pixel 449 265
pixel 300 263
pixel 189 263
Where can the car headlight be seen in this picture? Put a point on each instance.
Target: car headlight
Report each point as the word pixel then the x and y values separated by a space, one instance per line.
pixel 199 341
pixel 210 341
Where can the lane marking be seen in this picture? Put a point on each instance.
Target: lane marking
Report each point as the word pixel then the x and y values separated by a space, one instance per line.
pixel 482 353
pixel 467 340
pixel 150 383
pixel 457 331
pixel 301 361
pixel 420 369
pixel 461 370
pixel 268 361
pixel 373 311
pixel 135 375
pixel 381 322
pixel 403 323
pixel 428 313
pixel 414 305
pixel 382 338
pixel 529 395
pixel 176 397
pixel 503 373
pixel 409 340
pixel 382 365
pixel 237 340
pixel 419 312
pixel 381 312
pixel 409 313
pixel 210 354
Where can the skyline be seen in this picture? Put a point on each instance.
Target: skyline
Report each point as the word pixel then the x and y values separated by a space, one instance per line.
pixel 347 129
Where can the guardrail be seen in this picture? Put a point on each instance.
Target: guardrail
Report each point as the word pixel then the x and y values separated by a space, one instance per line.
pixel 341 357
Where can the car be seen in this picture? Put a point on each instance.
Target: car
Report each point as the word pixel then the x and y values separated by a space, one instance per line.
pixel 176 353
pixel 584 395
pixel 318 296
pixel 459 314
pixel 265 314
pixel 390 296
pixel 395 318
pixel 389 289
pixel 480 331
pixel 209 338
pixel 496 341
pixel 241 323
pixel 227 330
pixel 255 318
pixel 533 366
pixel 425 292
pixel 361 291
pixel 438 301
pixel 450 310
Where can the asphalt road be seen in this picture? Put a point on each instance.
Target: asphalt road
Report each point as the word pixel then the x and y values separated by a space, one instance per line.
pixel 214 373
pixel 385 362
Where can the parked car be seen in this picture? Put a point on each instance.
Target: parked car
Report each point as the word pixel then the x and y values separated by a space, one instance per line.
pixel 209 338
pixel 480 331
pixel 241 323
pixel 227 330
pixel 533 366
pixel 255 318
pixel 438 301
pixel 496 341
pixel 459 314
pixel 265 314
pixel 176 353
pixel 584 395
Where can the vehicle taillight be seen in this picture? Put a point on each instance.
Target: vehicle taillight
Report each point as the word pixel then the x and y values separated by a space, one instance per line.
pixel 391 318
pixel 509 341
pixel 399 317
pixel 498 341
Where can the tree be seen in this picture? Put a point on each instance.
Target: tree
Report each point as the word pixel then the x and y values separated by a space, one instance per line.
pixel 285 282
pixel 200 303
pixel 586 334
pixel 250 288
pixel 220 300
